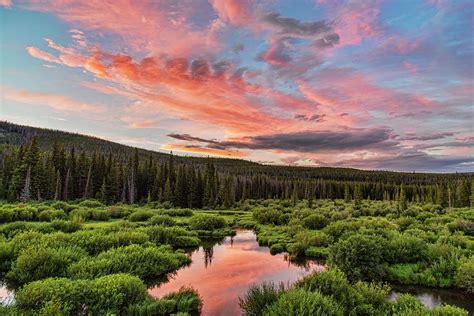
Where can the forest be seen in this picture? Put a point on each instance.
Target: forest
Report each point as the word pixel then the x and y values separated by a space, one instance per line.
pixel 36 165
pixel 87 229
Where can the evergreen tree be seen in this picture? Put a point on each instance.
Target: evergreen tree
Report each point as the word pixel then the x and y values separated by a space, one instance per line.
pixel 167 194
pixel 26 192
pixel 357 195
pixel 347 193
pixel 471 198
pixel 402 199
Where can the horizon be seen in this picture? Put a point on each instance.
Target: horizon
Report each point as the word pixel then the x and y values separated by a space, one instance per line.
pixel 192 155
pixel 373 85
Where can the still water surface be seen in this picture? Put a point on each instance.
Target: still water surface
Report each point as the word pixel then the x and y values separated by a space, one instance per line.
pixel 224 271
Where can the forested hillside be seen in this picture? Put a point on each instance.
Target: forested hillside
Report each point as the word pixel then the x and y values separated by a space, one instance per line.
pixel 42 164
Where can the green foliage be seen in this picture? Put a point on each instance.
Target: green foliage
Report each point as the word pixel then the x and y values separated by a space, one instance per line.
pixel 315 221
pixel 100 215
pixel 207 222
pixel 140 216
pixel 39 262
pixel 174 236
pixel 145 262
pixel 178 212
pixel 50 215
pixel 303 303
pixel 465 275
pixel 107 294
pixel 164 220
pixel 359 256
pixel 185 300
pixel 259 297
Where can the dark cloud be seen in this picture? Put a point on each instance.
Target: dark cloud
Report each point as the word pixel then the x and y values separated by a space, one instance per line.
pixel 308 142
pixel 238 48
pixel 412 136
pixel 312 118
pixel 190 138
pixel 327 41
pixel 291 26
pixel 467 142
pixel 410 114
pixel 220 67
pixel 199 68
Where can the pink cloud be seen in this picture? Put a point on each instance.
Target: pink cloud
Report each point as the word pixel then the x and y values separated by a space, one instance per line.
pixel 152 26
pixel 410 67
pixel 344 90
pixel 6 3
pixel 355 20
pixel 237 12
pixel 40 54
pixel 54 101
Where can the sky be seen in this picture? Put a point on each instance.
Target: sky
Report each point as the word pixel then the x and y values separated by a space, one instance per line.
pixel 367 84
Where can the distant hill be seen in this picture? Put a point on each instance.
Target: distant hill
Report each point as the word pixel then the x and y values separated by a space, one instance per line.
pixel 16 135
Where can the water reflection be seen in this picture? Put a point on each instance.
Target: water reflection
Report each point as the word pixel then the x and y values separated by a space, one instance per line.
pixel 224 272
pixel 6 296
pixel 432 297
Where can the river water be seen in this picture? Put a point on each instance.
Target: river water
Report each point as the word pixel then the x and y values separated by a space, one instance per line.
pixel 223 271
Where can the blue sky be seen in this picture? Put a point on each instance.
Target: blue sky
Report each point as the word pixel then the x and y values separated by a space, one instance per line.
pixel 367 84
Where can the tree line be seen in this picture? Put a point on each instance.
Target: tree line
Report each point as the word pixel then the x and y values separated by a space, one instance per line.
pixel 28 172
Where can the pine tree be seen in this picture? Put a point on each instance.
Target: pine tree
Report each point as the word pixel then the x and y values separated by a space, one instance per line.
pixel 103 192
pixel 471 198
pixel 57 192
pixel 167 194
pixel 295 194
pixel 347 193
pixel 441 195
pixel 402 199
pixel 357 195
pixel 462 194
pixel 26 192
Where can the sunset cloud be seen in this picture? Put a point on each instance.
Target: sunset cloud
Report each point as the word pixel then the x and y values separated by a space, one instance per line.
pixel 56 102
pixel 345 83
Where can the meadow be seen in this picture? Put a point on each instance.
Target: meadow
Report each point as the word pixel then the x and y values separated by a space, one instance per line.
pixel 88 258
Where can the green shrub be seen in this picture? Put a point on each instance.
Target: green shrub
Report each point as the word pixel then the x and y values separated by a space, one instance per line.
pixel 315 221
pixel 66 226
pixel 50 215
pixel 207 222
pixel 465 275
pixel 301 303
pixel 186 301
pixel 277 248
pixel 177 212
pixel 143 261
pixel 360 257
pixel 258 298
pixel 270 216
pixel 105 295
pixel 119 212
pixel 91 203
pixel 39 262
pixel 140 216
pixel 100 215
pixel 164 220
pixel 406 249
pixel 80 214
pixel 174 236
